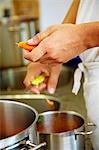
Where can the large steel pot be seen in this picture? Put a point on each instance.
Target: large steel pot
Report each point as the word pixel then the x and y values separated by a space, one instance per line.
pixel 17 125
pixel 62 130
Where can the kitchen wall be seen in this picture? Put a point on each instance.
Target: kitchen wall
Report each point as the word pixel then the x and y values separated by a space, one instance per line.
pixel 52 11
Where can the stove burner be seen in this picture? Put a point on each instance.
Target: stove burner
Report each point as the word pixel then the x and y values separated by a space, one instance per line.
pixel 19 146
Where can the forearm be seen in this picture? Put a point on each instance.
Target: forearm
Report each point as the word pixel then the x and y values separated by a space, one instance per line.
pixel 90 33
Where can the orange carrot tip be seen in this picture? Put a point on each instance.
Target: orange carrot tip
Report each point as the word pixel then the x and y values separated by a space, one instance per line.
pixel 25 45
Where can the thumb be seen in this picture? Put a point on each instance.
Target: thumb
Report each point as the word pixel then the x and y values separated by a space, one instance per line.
pixel 42 35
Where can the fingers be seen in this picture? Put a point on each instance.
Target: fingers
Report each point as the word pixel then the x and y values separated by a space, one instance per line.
pixel 51 82
pixel 37 89
pixel 33 70
pixel 40 36
pixel 34 89
pixel 47 60
pixel 41 46
pixel 27 81
pixel 27 55
pixel 36 53
pixel 53 79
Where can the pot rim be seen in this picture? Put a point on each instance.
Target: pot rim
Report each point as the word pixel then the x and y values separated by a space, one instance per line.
pixel 21 135
pixel 67 133
pixel 28 96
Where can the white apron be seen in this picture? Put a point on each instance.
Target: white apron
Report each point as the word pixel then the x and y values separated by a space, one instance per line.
pixel 88 12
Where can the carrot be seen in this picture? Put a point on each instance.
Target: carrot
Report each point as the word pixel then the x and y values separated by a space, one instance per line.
pixel 25 45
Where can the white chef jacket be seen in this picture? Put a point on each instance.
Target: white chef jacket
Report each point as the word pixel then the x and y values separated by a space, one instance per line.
pixel 88 12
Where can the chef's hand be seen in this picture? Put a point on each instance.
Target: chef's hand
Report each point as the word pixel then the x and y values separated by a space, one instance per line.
pixel 59 42
pixel 51 74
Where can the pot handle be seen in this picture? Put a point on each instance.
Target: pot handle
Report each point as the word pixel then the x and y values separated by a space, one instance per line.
pixel 35 147
pixel 87 132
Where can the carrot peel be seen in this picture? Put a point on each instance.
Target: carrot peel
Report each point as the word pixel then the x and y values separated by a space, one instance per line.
pixel 38 80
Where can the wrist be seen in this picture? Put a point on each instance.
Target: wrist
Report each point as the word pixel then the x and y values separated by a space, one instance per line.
pixel 90 34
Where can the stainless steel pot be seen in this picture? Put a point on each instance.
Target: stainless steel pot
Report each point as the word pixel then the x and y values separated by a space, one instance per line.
pixel 62 130
pixel 17 125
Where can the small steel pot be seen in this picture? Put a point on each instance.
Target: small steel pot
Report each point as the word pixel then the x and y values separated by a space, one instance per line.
pixel 17 125
pixel 62 130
